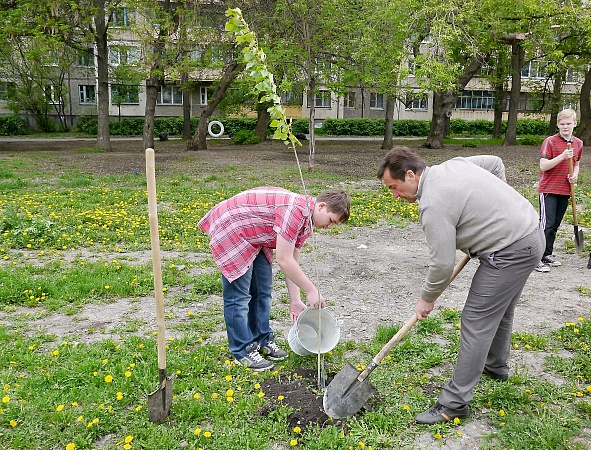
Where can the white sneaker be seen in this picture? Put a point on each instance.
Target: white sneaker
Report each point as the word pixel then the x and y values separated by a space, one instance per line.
pixel 541 267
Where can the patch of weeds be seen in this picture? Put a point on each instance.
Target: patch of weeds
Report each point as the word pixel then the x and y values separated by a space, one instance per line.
pixel 207 284
pixel 529 341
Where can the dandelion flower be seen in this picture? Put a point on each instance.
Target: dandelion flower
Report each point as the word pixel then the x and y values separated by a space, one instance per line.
pixel 197 431
pixel 229 393
pixel 257 386
pixel 281 397
pixel 228 377
pixel 197 396
pixel 70 446
pixel 261 394
pixel 127 374
pixel 128 439
pixel 502 413
pixel 13 423
pixel 297 430
pixel 5 399
pixel 127 446
pixel 59 408
pixel 457 420
pixel 108 379
pixel 437 436
pixel 119 395
pixel 207 434
pixel 293 442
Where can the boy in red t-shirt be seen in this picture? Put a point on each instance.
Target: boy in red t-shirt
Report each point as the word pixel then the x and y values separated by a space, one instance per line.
pixel 555 180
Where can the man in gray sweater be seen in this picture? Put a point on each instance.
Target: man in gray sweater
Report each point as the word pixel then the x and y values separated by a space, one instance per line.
pixel 465 204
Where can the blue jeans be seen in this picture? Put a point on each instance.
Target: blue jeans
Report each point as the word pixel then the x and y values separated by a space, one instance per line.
pixel 247 306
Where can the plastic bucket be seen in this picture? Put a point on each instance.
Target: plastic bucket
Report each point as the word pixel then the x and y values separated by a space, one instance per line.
pixel 303 335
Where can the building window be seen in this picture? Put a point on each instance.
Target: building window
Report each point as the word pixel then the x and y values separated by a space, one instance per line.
pixel 52 94
pixel 534 69
pixel 475 100
pixel 123 55
pixel 349 100
pixel 170 95
pixel 86 57
pixel 291 98
pixel 122 94
pixel 376 101
pixel 120 17
pixel 203 95
pixel 416 102
pixel 322 99
pixel 7 90
pixel 87 94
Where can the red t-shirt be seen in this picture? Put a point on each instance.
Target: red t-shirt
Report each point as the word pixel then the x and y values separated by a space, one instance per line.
pixel 555 181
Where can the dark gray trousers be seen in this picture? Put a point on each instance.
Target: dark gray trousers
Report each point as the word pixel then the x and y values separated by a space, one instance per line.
pixel 487 316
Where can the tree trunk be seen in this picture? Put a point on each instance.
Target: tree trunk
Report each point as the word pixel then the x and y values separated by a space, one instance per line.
pixel 186 88
pixel 556 101
pixel 443 103
pixel 150 111
pixel 103 140
pixel 233 69
pixel 517 53
pixel 498 110
pixel 312 118
pixel 390 104
pixel 263 121
pixel 584 129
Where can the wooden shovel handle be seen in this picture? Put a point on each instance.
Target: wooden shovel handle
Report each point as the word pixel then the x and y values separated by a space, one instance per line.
pixel 156 261
pixel 405 329
pixel 572 191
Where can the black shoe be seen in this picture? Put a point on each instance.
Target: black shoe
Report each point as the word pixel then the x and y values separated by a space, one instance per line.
pixel 550 261
pixel 495 376
pixel 439 413
pixel 589 263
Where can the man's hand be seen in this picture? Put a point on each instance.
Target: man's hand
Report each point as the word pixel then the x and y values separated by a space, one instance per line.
pixel 424 308
pixel 315 299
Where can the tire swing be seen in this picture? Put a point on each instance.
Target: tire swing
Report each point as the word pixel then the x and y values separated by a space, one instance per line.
pixel 219 124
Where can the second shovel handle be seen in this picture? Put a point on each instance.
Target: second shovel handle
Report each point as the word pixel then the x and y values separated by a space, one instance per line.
pixel 572 192
pixel 405 329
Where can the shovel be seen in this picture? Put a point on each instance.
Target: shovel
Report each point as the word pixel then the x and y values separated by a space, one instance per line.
pixel 349 390
pixel 579 240
pixel 159 401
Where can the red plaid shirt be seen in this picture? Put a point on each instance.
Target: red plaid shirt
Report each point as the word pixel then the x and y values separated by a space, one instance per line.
pixel 242 226
pixel 554 181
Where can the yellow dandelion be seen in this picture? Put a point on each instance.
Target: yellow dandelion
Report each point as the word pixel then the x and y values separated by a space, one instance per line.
pixel 297 430
pixel 119 395
pixel 230 399
pixel 128 439
pixel 13 423
pixel 406 407
pixel 207 434
pixel 293 442
pixel 80 418
pixel 361 445
pixel 197 431
pixel 261 394
pixel 437 436
pixel 5 399
pixel 127 446
pixel 108 379
pixel 74 404
pixel 197 396
pixel 59 408
pixel 280 397
pixel 70 446
pixel 257 386
pixel 459 432
pixel 502 413
pixel 456 420
pixel 214 395
pixel 228 377
pixel 229 393
pixel 127 374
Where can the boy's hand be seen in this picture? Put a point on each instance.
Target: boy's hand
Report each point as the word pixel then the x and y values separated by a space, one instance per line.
pixel 295 309
pixel 316 300
pixel 568 153
pixel 572 180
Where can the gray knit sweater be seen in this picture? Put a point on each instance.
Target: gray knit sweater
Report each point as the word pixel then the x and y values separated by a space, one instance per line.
pixel 465 204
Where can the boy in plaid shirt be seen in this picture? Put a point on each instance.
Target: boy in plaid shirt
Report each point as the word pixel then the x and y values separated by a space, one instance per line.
pixel 244 230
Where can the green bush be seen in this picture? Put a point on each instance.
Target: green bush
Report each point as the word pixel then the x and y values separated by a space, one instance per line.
pixel 530 140
pixel 13 125
pixel 300 126
pixel 245 137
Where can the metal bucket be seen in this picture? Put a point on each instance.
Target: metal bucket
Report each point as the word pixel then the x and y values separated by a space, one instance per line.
pixel 303 335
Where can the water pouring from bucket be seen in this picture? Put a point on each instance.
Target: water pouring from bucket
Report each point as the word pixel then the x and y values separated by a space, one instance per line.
pixel 314 332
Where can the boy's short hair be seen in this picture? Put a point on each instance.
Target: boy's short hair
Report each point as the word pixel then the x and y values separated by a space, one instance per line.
pixel 337 201
pixel 567 114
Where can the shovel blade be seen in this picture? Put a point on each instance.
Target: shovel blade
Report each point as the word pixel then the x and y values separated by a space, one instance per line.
pixel 345 395
pixel 579 239
pixel 160 401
